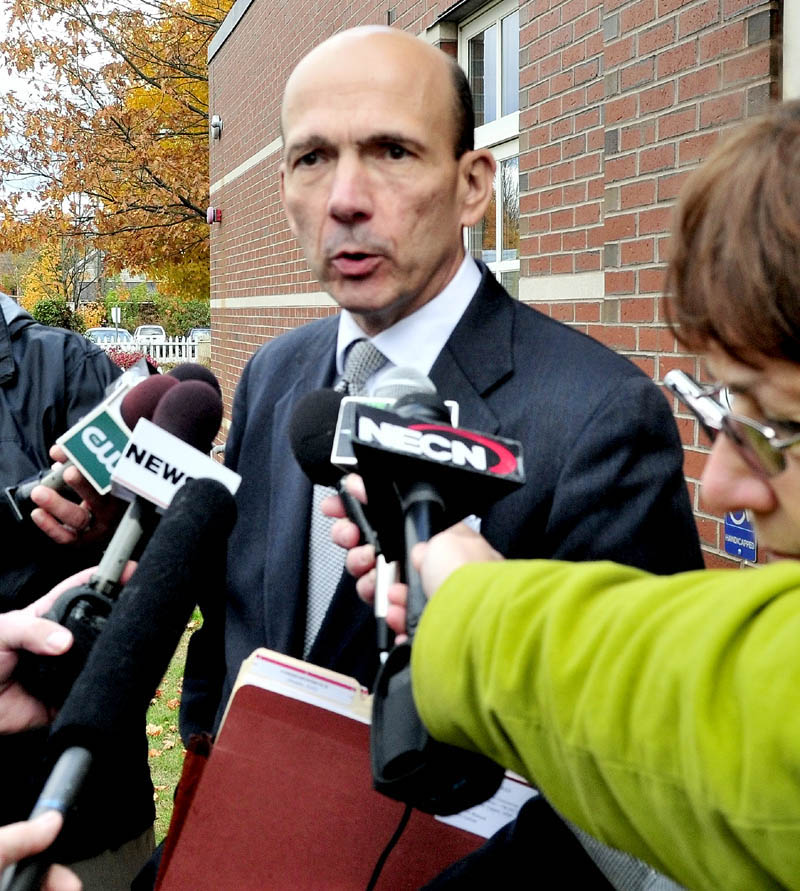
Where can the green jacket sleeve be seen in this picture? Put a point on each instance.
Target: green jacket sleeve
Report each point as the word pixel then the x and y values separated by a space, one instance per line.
pixel 661 714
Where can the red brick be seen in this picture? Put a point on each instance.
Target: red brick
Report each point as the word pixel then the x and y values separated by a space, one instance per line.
pixel 571 55
pixel 587 214
pixel 694 463
pixel 595 236
pixel 721 110
pixel 657 98
pixel 620 168
pixel 588 261
pixel 550 154
pixel 645 363
pixel 636 309
pixel 717 561
pixel 733 7
pixel 559 173
pixel 562 219
pixel 561 37
pixel 588 164
pixel 657 158
pixel 561 264
pixel 677 123
pixel 669 185
pixel 750 65
pixel 619 226
pixel 657 340
pixel 636 74
pixel 572 10
pixel 550 110
pixel 637 194
pixel 698 17
pixel 574 100
pixel 561 82
pixel 564 312
pixel 575 193
pixel 651 281
pixel 656 38
pixel 575 240
pixel 550 65
pixel 551 244
pixel 697 148
pixel 587 71
pixel 587 312
pixel 699 83
pixel 722 41
pixel 680 58
pixel 617 52
pixel 587 119
pixel 637 15
pixel 587 24
pixel 637 252
pixel 622 109
pixel 617 337
pixel 562 127
pixel 667 6
pixel 654 220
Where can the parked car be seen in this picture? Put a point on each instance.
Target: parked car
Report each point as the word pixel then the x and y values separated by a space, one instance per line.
pixel 199 333
pixel 150 334
pixel 109 335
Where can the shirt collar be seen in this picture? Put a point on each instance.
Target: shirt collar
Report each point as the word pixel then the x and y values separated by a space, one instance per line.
pixel 417 340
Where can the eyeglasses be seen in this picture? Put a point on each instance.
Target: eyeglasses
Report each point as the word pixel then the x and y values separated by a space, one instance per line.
pixel 758 444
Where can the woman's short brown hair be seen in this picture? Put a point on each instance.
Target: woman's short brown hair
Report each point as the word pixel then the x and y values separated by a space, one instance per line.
pixel 734 272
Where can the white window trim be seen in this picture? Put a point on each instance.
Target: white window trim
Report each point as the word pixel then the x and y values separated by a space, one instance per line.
pixel 507 126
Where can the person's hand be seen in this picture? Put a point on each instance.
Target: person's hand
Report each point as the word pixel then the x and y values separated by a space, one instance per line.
pixel 24 629
pixel 66 522
pixel 360 561
pixel 20 840
pixel 435 560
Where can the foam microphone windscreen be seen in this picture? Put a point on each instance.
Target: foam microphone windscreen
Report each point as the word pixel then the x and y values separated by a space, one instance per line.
pixel 194 371
pixel 141 400
pixel 311 433
pixel 128 661
pixel 192 411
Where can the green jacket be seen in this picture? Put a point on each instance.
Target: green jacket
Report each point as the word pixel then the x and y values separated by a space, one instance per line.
pixel 660 714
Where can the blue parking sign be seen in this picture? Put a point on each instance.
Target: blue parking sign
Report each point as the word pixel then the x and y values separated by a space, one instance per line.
pixel 740 537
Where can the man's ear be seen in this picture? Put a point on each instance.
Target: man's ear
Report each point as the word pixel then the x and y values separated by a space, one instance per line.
pixel 476 175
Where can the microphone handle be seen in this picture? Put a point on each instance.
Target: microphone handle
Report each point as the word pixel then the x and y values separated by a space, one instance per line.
pixel 139 518
pixel 423 511
pixel 58 794
pixel 19 496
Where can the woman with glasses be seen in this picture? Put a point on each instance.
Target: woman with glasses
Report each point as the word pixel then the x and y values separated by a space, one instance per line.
pixel 660 714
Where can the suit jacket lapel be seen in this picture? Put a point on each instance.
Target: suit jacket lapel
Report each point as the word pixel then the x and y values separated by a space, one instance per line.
pixel 290 494
pixel 478 355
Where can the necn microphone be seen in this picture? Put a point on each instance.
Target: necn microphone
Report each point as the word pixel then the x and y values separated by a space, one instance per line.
pixel 422 474
pixel 109 699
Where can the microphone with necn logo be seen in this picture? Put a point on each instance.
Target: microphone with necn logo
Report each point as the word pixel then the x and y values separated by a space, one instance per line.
pixel 422 474
pixel 109 699
pixel 190 410
pixel 102 440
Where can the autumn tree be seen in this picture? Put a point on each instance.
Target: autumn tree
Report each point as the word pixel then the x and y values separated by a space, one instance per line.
pixel 112 141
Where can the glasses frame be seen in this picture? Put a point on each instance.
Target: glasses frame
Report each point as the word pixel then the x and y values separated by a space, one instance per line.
pixel 715 417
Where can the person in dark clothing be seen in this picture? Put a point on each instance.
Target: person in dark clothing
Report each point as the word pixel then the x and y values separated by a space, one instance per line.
pixel 49 379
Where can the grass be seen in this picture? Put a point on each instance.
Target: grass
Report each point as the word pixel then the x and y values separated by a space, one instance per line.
pixel 166 750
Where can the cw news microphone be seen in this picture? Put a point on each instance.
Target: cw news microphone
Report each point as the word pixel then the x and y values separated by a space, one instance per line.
pixel 99 439
pixel 190 410
pixel 421 474
pixel 134 649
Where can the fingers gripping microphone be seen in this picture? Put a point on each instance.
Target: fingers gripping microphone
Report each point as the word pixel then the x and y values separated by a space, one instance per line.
pixel 190 410
pixel 134 649
pixel 139 402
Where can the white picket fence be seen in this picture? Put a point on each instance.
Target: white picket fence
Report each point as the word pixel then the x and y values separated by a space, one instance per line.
pixel 171 349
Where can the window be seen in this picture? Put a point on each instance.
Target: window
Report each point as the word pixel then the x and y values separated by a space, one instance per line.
pixel 489 53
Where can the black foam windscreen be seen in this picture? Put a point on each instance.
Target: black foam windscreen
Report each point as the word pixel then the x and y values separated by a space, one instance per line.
pixel 192 411
pixel 311 433
pixel 141 401
pixel 114 689
pixel 194 371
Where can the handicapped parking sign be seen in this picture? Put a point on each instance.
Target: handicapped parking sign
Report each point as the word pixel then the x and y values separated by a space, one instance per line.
pixel 740 537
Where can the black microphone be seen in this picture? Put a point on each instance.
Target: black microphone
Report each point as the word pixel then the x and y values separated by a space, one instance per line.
pixel 134 649
pixel 139 402
pixel 190 410
pixel 421 474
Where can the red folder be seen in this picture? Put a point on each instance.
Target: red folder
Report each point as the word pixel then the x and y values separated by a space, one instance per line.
pixel 286 802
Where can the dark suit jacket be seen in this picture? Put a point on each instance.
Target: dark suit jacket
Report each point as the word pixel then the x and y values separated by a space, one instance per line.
pixel 602 457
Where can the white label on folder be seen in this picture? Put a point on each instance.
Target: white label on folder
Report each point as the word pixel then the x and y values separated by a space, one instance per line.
pixel 305 685
pixel 485 819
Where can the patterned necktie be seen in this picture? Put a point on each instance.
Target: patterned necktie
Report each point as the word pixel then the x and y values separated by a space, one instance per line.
pixel 325 559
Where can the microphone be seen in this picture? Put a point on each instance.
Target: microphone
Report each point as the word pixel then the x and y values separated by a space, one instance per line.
pixel 100 440
pixel 190 410
pixel 421 474
pixel 134 648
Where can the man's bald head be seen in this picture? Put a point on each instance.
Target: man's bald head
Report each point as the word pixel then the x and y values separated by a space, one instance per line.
pixel 369 42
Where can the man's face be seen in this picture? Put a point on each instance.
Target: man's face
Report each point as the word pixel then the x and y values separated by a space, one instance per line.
pixel 769 395
pixel 371 186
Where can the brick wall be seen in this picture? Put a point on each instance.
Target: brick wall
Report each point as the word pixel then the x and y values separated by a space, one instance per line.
pixel 619 100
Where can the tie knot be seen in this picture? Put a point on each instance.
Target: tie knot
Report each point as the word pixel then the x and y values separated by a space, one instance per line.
pixel 363 360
